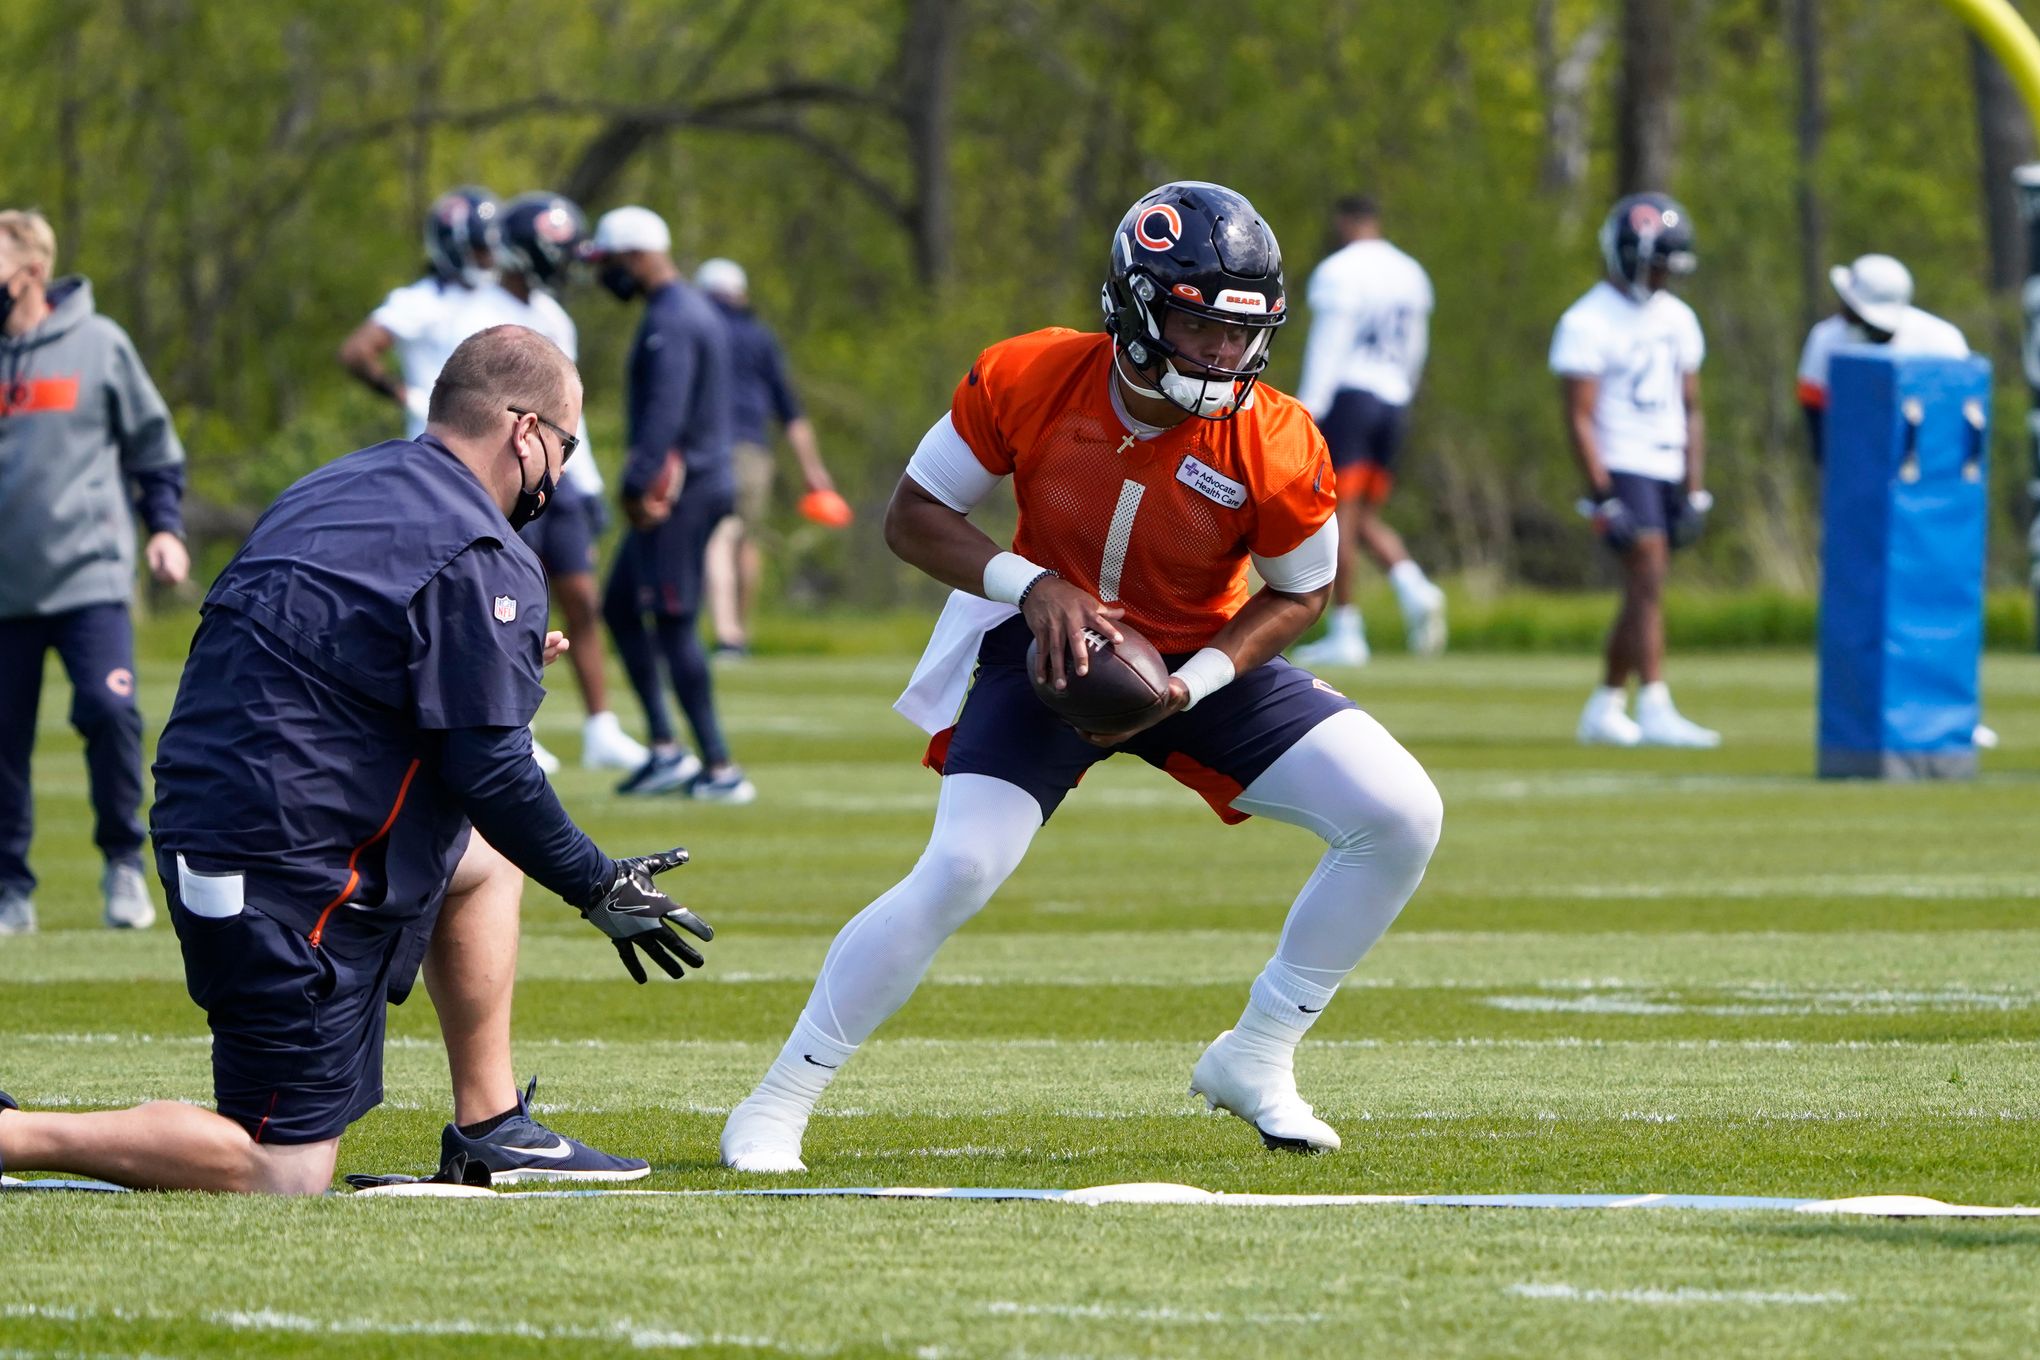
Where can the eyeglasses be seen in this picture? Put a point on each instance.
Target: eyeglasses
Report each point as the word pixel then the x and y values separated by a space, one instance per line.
pixel 568 442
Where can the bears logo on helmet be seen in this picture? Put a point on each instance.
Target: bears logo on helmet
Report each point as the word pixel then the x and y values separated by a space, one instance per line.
pixel 1645 233
pixel 544 235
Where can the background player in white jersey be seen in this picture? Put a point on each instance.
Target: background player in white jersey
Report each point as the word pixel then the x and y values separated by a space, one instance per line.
pixel 1876 295
pixel 1627 356
pixel 543 235
pixel 1370 329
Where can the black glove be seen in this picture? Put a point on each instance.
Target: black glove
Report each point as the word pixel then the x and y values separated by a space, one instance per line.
pixel 636 916
pixel 1691 521
pixel 1612 520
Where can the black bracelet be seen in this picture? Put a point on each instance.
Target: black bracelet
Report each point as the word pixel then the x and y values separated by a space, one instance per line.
pixel 1046 572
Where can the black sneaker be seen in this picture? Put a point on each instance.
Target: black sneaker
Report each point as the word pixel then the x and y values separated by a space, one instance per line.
pixel 522 1149
pixel 662 774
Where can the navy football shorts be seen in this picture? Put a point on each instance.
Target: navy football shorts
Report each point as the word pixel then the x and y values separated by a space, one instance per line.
pixel 1217 748
pixel 1365 435
pixel 564 536
pixel 1652 502
pixel 297 1031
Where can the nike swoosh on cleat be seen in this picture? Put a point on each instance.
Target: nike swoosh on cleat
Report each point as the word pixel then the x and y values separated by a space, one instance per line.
pixel 1310 1010
pixel 811 1058
pixel 560 1148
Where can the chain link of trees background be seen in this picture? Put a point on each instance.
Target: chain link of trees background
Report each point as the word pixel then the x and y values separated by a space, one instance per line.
pixel 909 180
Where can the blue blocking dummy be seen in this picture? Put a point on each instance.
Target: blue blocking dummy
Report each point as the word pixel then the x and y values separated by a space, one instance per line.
pixel 1901 607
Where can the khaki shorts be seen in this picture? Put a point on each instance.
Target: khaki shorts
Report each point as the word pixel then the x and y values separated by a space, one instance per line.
pixel 753 465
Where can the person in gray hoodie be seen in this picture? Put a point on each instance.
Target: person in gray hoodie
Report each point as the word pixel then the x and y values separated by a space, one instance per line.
pixel 82 433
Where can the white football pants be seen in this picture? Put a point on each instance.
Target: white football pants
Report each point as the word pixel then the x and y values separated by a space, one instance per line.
pixel 1347 780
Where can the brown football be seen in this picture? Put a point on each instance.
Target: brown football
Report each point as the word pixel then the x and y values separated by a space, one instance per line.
pixel 1124 684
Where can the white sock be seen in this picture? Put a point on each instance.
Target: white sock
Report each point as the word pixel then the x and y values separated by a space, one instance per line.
pixel 1412 588
pixel 804 1068
pixel 1655 695
pixel 1345 623
pixel 1284 996
pixel 1611 699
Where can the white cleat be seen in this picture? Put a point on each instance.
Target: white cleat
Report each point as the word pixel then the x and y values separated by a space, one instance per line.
pixel 17 913
pixel 606 746
pixel 763 1135
pixel 1605 726
pixel 1424 620
pixel 1667 727
pixel 548 763
pixel 1332 651
pixel 128 904
pixel 1260 1087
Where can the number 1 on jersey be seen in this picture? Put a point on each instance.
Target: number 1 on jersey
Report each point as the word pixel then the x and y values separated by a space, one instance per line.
pixel 1117 538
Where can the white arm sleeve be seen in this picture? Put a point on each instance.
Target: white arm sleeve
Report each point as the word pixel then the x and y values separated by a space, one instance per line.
pixel 1309 566
pixel 946 469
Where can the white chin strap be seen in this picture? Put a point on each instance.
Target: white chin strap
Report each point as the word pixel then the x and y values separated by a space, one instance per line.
pixel 474 276
pixel 1207 397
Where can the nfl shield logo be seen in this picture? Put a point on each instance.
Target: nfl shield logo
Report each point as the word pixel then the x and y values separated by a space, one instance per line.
pixel 506 609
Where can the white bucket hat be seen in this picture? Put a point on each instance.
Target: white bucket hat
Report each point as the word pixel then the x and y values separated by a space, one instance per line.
pixel 1877 288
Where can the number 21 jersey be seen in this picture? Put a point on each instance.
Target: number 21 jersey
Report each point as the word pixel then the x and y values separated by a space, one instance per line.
pixel 1640 353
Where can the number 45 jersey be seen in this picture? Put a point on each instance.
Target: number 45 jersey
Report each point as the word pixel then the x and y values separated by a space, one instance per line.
pixel 1640 353
pixel 1162 521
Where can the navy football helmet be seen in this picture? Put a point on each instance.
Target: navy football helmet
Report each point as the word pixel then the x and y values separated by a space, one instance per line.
pixel 544 236
pixel 1646 232
pixel 1200 249
pixel 461 236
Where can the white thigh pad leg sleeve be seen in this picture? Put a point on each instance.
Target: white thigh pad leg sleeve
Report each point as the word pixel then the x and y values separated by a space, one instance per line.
pixel 983 827
pixel 1353 784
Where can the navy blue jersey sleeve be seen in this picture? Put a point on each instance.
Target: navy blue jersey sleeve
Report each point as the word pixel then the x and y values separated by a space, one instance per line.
pixel 503 792
pixel 159 498
pixel 478 640
pixel 778 386
pixel 662 369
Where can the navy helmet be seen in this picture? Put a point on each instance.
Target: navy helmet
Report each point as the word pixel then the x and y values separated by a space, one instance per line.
pixel 1646 232
pixel 461 235
pixel 544 236
pixel 1201 249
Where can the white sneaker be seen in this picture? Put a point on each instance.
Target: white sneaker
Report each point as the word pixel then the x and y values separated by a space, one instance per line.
pixel 1332 650
pixel 606 746
pixel 1604 724
pixel 548 763
pixel 17 913
pixel 1257 1083
pixel 1424 619
pixel 1663 725
pixel 763 1135
pixel 128 905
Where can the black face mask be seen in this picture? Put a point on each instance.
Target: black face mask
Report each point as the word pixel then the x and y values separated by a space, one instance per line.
pixel 619 281
pixel 531 502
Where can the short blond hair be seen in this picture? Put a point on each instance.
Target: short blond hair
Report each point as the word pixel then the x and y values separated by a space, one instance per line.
pixel 27 234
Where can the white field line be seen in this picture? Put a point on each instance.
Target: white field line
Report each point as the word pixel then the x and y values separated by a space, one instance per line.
pixel 1683 1296
pixel 1094 1312
pixel 1929 887
pixel 636 1335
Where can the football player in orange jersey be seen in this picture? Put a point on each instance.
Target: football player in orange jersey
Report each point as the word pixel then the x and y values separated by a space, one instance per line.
pixel 1150 467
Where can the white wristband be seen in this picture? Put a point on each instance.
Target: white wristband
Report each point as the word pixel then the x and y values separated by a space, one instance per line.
pixel 1007 577
pixel 1210 669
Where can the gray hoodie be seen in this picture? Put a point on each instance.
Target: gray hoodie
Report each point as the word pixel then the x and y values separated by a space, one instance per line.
pixel 79 422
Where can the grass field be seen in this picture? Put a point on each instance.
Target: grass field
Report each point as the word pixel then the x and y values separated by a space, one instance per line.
pixel 1628 972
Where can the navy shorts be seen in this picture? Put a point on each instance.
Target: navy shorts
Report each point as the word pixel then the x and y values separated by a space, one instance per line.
pixel 1652 502
pixel 1217 748
pixel 564 536
pixel 297 1047
pixel 660 570
pixel 1365 435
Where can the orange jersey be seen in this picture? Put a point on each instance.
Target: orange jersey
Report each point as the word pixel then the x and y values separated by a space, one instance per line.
pixel 1162 525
